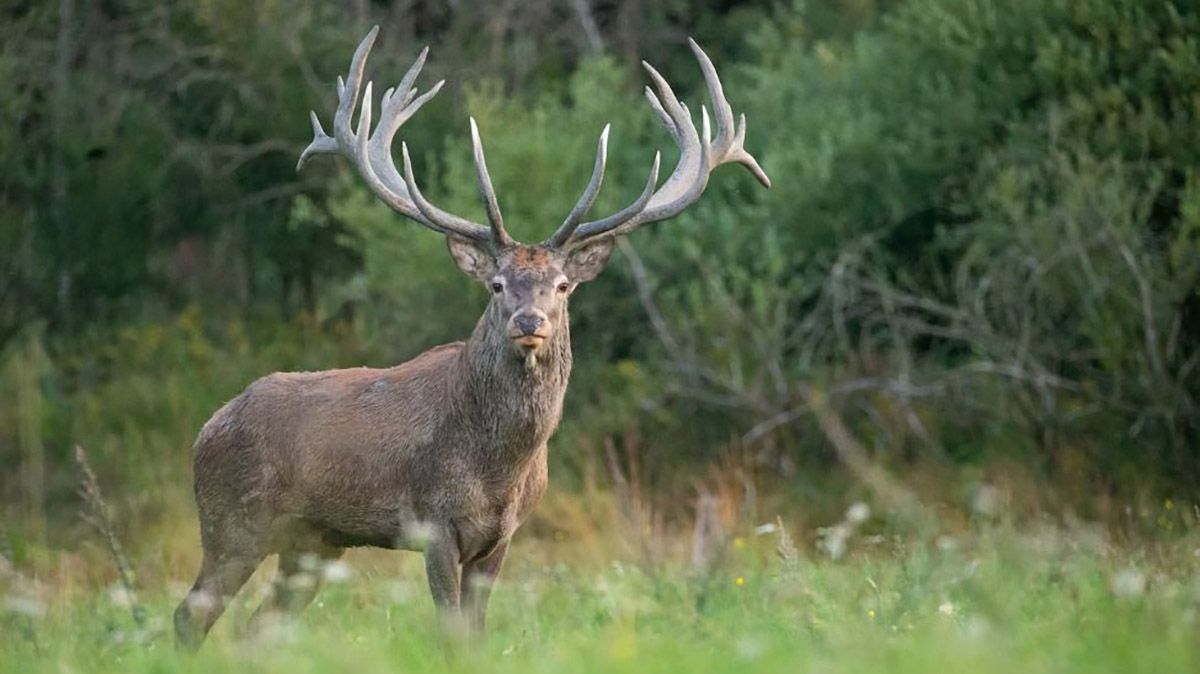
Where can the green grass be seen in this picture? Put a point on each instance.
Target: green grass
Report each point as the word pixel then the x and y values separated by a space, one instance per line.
pixel 1000 599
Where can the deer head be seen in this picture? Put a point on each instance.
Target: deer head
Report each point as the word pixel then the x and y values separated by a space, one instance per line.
pixel 530 284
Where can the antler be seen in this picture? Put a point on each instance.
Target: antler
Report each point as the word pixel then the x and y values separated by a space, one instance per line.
pixel 699 156
pixel 371 154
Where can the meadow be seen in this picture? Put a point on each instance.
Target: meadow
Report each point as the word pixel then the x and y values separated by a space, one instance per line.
pixel 994 597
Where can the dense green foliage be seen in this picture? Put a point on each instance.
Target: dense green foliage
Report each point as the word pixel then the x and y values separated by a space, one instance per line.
pixel 982 248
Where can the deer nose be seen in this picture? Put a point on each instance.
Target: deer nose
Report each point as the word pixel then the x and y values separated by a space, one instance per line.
pixel 528 324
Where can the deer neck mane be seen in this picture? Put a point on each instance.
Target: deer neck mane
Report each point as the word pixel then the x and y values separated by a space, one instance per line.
pixel 515 403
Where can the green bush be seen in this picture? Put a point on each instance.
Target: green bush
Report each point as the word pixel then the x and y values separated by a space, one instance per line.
pixel 983 242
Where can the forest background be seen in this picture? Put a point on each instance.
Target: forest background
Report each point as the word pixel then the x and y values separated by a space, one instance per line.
pixel 973 290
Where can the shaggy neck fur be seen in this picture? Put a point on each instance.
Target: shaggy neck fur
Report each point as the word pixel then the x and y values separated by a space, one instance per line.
pixel 515 404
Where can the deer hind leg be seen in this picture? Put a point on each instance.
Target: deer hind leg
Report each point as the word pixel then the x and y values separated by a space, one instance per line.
pixel 296 583
pixel 221 576
pixel 478 577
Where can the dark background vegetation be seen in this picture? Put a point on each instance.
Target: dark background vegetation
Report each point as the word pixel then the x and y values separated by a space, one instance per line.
pixel 981 256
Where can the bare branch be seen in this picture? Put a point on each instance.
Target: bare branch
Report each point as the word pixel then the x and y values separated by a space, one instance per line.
pixel 587 21
pixel 645 294
pixel 856 459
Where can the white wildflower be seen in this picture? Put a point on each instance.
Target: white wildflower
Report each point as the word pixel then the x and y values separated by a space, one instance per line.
pixel 750 648
pixel 479 581
pixel 858 513
pixel 337 571
pixel 833 540
pixel 302 581
pixel 400 592
pixel 27 606
pixel 976 628
pixel 1128 584
pixel 276 628
pixel 764 529
pixel 947 609
pixel 201 601
pixel 309 562
pixel 119 595
pixel 419 534
pixel 986 500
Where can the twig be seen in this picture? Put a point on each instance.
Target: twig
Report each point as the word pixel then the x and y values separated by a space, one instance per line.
pixel 587 21
pixel 100 517
pixel 620 482
pixel 646 296
pixel 856 459
pixel 1146 297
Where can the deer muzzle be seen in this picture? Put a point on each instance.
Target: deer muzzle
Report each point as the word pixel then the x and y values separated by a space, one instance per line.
pixel 529 329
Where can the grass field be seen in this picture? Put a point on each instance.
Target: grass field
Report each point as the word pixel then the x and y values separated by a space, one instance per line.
pixel 996 597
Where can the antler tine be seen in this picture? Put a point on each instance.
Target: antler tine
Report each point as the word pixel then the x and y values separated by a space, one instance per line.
pixel 667 122
pixel 347 91
pixel 486 189
pixel 669 102
pixel 364 129
pixel 592 229
pixel 716 93
pixel 746 159
pixel 398 104
pixel 436 218
pixel 392 115
pixel 371 153
pixel 568 226
pixel 728 145
pixel 321 143
pixel 699 155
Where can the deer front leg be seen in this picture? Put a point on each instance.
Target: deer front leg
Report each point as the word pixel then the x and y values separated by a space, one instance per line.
pixel 442 569
pixel 478 577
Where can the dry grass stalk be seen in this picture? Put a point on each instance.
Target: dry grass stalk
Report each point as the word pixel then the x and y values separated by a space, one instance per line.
pixel 99 516
pixel 708 533
pixel 786 550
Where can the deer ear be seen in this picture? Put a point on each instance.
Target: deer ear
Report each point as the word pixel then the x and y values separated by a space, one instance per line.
pixel 472 258
pixel 585 262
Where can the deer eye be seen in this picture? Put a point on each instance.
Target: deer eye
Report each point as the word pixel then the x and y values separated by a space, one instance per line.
pixel 563 287
pixel 497 286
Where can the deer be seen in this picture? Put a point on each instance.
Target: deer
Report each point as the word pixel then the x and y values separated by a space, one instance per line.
pixel 446 453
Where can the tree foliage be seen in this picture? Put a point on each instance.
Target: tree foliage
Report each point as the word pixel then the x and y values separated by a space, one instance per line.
pixel 983 239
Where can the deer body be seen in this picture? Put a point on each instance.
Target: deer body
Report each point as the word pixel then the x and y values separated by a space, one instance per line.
pixel 454 438
pixel 446 453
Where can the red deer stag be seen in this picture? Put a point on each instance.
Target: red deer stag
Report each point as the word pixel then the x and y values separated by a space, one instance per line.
pixel 446 453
